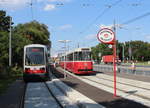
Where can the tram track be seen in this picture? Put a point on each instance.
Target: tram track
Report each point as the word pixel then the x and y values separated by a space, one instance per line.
pixel 122 83
pixel 48 93
pixel 21 104
pixel 132 94
pixel 58 102
pixel 38 94
pixel 144 97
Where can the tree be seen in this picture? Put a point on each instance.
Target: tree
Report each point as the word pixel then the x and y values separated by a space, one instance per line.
pixel 4 22
pixel 100 48
pixel 34 31
pixel 3 49
pixel 22 34
pixel 4 40
pixel 138 50
pixel 28 33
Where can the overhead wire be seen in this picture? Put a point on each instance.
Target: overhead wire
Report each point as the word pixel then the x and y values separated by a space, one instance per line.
pixel 136 18
pixel 101 14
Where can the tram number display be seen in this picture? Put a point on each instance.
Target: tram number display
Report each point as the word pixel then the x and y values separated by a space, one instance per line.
pixel 36 49
pixel 85 49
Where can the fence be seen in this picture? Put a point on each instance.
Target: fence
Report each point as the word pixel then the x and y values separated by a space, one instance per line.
pixel 145 71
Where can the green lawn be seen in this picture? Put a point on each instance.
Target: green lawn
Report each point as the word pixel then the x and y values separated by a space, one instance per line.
pixel 143 63
pixel 14 73
pixel 140 63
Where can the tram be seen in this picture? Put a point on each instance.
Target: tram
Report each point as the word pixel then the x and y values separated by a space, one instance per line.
pixel 77 61
pixel 35 62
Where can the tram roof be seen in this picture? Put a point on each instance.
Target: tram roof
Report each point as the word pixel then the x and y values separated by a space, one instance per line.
pixel 34 45
pixel 82 49
pixel 77 50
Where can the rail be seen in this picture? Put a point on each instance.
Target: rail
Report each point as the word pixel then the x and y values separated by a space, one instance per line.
pixel 21 103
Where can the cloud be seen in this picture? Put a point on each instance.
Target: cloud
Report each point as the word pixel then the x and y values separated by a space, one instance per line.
pixel 66 26
pixel 49 7
pixel 90 37
pixel 13 4
pixel 18 4
pixel 147 37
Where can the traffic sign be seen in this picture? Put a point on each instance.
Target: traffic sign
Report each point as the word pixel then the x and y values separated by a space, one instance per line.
pixel 106 36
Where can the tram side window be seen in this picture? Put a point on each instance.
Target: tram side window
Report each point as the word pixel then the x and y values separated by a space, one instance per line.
pixel 62 58
pixel 80 57
pixel 76 56
pixel 70 57
pixel 46 56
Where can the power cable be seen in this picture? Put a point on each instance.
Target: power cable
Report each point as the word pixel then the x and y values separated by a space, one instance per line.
pixel 136 18
pixel 101 14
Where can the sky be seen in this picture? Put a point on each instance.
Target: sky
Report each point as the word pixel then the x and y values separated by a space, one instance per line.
pixel 80 20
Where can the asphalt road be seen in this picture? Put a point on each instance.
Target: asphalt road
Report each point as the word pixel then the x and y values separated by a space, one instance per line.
pixel 13 96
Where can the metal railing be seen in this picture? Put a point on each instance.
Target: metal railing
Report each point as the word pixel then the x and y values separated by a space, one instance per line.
pixel 145 71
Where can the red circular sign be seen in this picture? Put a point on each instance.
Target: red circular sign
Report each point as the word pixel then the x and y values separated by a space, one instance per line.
pixel 106 36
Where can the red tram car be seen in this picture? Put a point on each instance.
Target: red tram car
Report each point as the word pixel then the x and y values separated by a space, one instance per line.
pixel 77 61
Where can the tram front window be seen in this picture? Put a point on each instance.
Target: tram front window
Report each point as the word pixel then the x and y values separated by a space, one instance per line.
pixel 84 56
pixel 34 56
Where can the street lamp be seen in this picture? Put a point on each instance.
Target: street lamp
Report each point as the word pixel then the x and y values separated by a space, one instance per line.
pixel 65 42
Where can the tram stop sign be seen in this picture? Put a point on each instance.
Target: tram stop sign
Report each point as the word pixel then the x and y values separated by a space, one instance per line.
pixel 106 36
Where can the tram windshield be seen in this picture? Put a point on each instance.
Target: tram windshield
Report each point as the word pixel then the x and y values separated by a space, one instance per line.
pixel 82 56
pixel 34 56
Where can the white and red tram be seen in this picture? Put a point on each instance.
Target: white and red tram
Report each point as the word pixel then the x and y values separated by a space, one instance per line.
pixel 35 62
pixel 77 61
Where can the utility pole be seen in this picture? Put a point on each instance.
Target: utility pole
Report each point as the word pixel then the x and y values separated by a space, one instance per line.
pixel 65 56
pixel 10 42
pixel 78 44
pixel 130 52
pixel 31 4
pixel 123 52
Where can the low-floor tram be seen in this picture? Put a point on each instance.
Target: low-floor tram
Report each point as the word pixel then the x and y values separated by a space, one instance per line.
pixel 35 62
pixel 77 61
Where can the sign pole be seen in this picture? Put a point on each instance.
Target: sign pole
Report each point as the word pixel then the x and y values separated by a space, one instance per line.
pixel 107 36
pixel 114 60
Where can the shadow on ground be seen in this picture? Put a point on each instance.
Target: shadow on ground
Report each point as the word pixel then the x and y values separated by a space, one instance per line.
pixel 122 103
